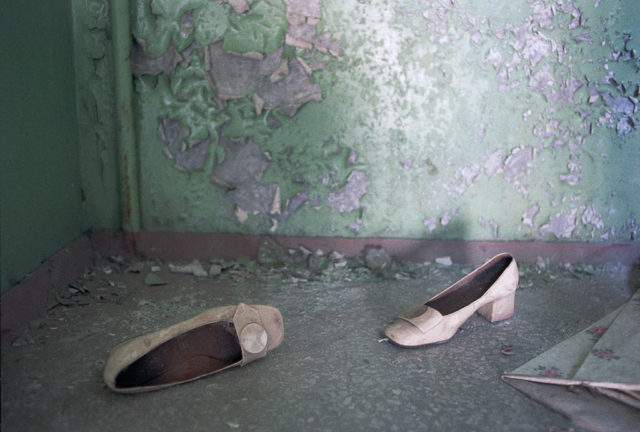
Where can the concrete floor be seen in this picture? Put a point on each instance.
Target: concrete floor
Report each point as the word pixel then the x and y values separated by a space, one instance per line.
pixel 333 371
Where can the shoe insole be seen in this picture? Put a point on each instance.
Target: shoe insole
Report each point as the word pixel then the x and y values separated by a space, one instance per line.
pixel 197 352
pixel 465 293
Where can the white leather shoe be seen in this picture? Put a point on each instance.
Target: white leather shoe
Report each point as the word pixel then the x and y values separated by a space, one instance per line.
pixel 489 290
pixel 215 340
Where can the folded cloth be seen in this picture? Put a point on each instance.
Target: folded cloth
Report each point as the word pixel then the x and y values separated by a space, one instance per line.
pixel 602 360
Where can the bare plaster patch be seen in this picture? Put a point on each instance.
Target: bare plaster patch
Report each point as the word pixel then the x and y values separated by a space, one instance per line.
pixel 307 8
pixel 543 15
pixel 591 217
pixel 430 223
pixel 240 6
pixel 560 224
pixel 293 204
pixel 237 75
pixel 466 176
pixel 142 64
pixel 494 164
pixel 517 163
pixel 447 216
pixel 530 214
pixel 574 176
pixel 349 198
pixel 242 169
pixel 187 158
pixel 292 91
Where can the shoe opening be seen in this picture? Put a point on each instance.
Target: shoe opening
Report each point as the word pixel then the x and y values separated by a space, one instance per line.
pixel 466 292
pixel 198 352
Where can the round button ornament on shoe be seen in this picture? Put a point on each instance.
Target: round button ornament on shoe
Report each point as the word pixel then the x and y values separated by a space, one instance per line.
pixel 253 338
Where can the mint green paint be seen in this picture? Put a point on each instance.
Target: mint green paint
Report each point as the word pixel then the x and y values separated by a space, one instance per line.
pixel 465 116
pixel 211 21
pixel 158 23
pixel 39 168
pixel 93 58
pixel 261 29
pixel 159 175
pixel 196 108
pixel 127 149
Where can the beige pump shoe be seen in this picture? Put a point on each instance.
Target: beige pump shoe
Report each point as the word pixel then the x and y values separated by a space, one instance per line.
pixel 490 290
pixel 215 340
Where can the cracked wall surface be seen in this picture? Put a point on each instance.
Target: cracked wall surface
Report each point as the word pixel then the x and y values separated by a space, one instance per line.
pixel 509 120
pixel 95 97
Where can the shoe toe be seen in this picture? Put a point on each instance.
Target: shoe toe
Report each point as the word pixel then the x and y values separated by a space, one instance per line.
pixel 273 324
pixel 403 333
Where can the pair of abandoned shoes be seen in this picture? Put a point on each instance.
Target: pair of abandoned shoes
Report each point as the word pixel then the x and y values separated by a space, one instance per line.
pixel 224 337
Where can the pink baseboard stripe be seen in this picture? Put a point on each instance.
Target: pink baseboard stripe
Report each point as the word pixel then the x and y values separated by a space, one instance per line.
pixel 185 246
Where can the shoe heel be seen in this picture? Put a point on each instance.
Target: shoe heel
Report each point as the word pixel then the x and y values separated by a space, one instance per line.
pixel 499 309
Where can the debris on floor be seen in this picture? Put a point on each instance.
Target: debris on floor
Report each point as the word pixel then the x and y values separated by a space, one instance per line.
pixel 335 308
pixel 136 267
pixel 377 260
pixel 153 279
pixel 445 261
pixel 507 350
pixel 194 267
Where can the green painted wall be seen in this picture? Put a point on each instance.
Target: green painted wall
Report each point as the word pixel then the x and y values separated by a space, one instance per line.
pixel 95 101
pixel 508 120
pixel 40 176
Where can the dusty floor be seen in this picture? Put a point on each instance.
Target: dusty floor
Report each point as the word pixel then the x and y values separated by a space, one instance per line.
pixel 334 371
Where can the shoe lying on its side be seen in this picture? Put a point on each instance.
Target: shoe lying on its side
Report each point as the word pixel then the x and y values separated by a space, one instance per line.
pixel 217 339
pixel 490 290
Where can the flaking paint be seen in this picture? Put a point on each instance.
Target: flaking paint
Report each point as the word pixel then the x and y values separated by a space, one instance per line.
pixel 513 120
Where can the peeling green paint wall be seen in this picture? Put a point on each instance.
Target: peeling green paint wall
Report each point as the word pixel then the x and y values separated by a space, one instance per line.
pixel 39 168
pixel 509 120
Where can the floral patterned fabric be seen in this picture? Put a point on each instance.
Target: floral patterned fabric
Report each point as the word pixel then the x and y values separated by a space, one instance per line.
pixel 605 355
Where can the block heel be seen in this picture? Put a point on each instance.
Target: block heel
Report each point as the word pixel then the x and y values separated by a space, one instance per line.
pixel 499 309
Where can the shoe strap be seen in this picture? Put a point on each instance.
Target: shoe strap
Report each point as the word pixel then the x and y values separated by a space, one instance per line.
pixel 251 333
pixel 421 316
